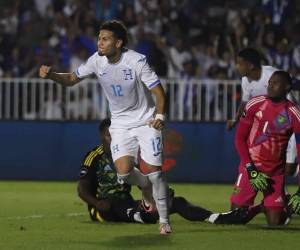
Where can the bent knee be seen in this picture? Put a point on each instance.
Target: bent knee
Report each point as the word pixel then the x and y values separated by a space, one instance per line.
pixel 276 216
pixel 124 164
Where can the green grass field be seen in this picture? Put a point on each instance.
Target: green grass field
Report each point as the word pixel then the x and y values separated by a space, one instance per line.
pixel 49 215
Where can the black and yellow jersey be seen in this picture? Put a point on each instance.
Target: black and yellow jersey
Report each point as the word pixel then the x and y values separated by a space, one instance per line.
pixel 97 166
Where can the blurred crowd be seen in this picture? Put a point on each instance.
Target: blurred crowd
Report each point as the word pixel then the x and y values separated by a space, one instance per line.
pixel 181 38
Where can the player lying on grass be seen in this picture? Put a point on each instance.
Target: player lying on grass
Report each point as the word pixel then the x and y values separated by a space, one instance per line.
pixel 261 141
pixel 109 200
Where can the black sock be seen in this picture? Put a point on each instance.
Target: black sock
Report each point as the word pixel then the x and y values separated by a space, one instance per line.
pixel 189 211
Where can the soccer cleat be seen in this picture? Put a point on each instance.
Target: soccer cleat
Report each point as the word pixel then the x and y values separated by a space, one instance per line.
pixel 147 206
pixel 213 217
pixel 148 203
pixel 288 218
pixel 165 229
pixel 287 221
pixel 237 216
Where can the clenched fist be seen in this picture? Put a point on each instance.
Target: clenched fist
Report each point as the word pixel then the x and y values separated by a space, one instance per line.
pixel 44 71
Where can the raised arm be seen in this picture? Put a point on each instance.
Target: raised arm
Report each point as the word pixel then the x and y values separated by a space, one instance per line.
pixel 65 79
pixel 161 44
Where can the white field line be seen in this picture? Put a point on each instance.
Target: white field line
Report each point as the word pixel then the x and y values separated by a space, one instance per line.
pixel 41 216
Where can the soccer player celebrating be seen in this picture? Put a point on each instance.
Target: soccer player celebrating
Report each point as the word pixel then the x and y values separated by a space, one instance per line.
pixel 261 140
pixel 136 121
pixel 109 200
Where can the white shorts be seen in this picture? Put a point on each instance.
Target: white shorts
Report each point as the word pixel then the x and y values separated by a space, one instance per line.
pixel 291 151
pixel 129 141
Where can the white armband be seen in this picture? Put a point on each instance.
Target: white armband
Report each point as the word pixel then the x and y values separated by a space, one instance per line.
pixel 160 117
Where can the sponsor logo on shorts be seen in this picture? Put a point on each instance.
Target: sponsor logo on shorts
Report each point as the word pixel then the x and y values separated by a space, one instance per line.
pixel 115 148
pixel 279 200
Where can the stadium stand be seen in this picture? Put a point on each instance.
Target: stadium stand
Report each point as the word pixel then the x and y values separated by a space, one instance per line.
pixel 202 38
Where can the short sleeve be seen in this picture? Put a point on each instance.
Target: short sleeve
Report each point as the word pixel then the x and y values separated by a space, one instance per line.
pixel 86 68
pixel 87 171
pixel 251 108
pixel 146 74
pixel 88 164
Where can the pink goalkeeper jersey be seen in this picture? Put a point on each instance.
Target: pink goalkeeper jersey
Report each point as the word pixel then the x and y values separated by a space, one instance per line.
pixel 264 132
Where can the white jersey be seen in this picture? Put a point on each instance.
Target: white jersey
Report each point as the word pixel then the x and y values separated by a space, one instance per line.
pixel 126 85
pixel 259 87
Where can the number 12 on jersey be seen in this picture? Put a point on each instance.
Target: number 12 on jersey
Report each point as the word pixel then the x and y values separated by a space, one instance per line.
pixel 117 89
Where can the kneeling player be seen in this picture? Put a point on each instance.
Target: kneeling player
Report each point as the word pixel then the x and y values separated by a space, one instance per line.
pixel 261 141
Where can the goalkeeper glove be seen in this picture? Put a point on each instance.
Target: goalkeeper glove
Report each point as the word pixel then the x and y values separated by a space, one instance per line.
pixel 294 202
pixel 258 180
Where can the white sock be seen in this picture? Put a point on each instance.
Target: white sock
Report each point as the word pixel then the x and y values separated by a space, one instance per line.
pixel 134 177
pixel 160 195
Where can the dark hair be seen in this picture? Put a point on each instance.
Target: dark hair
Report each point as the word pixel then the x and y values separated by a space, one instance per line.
pixel 252 56
pixel 118 28
pixel 285 76
pixel 104 124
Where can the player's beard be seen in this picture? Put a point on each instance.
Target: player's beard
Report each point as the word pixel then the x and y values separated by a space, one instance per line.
pixel 108 54
pixel 113 56
pixel 101 52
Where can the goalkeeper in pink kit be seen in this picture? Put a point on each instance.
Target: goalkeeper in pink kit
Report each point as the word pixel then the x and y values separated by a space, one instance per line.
pixel 261 141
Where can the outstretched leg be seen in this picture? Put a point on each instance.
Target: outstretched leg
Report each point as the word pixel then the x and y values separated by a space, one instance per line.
pixel 189 211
